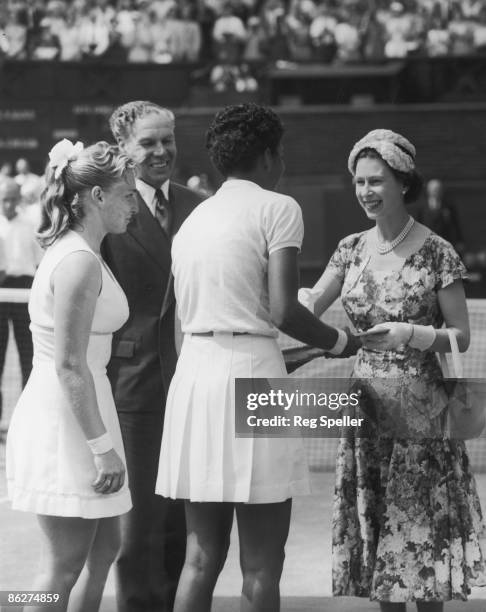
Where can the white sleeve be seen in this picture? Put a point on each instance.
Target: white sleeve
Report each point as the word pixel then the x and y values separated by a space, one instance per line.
pixel 283 224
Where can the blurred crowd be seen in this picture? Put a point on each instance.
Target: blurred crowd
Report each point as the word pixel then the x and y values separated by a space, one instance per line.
pixel 238 31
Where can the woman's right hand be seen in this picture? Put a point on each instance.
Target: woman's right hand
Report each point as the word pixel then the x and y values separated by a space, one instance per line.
pixel 111 472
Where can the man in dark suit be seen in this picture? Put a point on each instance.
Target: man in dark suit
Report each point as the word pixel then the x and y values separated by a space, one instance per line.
pixel 144 356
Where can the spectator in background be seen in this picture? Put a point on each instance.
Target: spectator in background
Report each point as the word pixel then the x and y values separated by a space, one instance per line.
pixel 22 255
pixel 56 15
pixel 323 34
pixel 437 39
pixel 190 32
pixel 125 22
pixel 347 37
pixel 94 33
pixel 161 32
pixel 30 184
pixel 399 27
pixel 479 33
pixel 298 20
pixel 255 41
pixel 273 23
pixel 440 215
pixel 69 39
pixel 472 8
pixel 460 31
pixel 45 45
pixel 140 42
pixel 372 37
pixel 104 10
pixel 15 35
pixel 167 34
pixel 229 34
pixel 6 169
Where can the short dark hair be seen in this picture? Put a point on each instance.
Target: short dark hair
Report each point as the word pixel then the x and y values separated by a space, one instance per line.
pixel 239 134
pixel 413 180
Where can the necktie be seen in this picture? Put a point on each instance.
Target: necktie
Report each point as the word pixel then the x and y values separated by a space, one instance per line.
pixel 162 211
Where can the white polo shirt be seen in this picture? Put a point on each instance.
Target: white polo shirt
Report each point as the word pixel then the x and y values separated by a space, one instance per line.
pixel 220 258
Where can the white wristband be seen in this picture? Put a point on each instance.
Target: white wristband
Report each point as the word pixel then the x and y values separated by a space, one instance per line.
pixel 101 444
pixel 422 337
pixel 341 342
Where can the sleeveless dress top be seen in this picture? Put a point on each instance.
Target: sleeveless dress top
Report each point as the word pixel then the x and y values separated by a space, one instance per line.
pixel 50 468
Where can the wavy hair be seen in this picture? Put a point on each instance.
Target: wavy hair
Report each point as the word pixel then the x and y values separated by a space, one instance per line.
pixel 123 117
pixel 239 134
pixel 100 165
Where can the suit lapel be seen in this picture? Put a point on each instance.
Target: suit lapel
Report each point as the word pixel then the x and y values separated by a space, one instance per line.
pixel 145 229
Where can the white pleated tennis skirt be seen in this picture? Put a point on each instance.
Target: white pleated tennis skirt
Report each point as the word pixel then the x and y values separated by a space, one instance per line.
pixel 201 459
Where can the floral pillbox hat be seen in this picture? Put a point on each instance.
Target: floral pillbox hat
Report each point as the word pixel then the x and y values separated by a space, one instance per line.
pixel 395 150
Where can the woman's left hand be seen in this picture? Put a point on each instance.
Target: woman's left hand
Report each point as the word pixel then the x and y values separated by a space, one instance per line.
pixel 387 336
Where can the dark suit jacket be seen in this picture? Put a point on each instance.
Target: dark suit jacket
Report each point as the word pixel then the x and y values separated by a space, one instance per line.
pixel 143 351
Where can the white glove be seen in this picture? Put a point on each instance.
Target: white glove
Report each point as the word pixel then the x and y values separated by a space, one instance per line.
pixel 387 336
pixel 399 335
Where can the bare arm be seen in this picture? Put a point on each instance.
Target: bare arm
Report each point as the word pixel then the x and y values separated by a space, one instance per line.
pixel 287 313
pixel 329 289
pixel 76 284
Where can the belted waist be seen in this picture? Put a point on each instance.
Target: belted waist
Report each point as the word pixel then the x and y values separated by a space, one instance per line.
pixel 211 333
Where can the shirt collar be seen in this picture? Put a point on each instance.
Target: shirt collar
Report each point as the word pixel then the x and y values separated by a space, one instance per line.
pixel 148 192
pixel 237 182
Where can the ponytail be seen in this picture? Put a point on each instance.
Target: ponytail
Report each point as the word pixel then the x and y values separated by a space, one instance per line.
pixel 70 175
pixel 59 212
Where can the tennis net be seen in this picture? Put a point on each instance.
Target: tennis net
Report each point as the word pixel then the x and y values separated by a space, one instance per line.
pixel 321 451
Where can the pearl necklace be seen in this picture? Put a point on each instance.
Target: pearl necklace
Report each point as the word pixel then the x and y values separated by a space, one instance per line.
pixel 385 247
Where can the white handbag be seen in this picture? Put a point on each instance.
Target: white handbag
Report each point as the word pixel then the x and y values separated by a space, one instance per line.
pixel 466 408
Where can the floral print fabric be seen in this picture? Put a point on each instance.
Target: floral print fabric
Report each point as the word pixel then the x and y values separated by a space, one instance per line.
pixel 407 518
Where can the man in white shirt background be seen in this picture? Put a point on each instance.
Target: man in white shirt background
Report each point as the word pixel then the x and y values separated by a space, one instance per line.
pixel 31 186
pixel 20 255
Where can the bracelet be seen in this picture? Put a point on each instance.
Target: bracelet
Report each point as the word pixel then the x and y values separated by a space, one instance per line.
pixel 101 444
pixel 341 342
pixel 422 338
pixel 407 343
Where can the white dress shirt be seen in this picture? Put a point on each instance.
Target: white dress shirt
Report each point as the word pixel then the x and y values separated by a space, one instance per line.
pixel 22 252
pixel 148 193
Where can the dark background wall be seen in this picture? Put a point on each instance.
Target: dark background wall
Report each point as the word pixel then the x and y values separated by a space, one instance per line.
pixel 450 142
pixel 38 106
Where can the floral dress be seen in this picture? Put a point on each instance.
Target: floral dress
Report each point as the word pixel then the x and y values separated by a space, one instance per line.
pixel 407 518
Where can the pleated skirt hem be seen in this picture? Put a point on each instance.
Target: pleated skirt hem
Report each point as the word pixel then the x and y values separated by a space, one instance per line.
pixel 201 458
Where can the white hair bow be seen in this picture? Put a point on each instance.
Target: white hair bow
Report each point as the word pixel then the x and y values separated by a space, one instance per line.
pixel 62 153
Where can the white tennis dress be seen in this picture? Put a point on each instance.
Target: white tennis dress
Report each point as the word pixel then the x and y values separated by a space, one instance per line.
pixel 50 468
